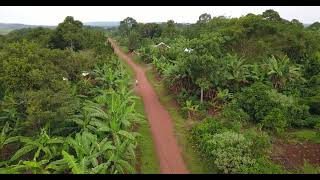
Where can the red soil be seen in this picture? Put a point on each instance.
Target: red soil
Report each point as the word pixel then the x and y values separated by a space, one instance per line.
pixel 168 152
pixel 292 156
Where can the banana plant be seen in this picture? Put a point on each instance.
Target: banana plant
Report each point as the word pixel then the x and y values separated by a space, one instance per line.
pixel 68 161
pixel 190 108
pixel 25 167
pixel 237 70
pixel 88 144
pixel 9 113
pixel 223 96
pixel 123 153
pixel 89 155
pixel 45 147
pixel 5 136
pixel 83 120
pixel 281 72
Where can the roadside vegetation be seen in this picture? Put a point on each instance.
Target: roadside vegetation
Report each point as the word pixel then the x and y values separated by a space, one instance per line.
pixel 249 84
pixel 66 104
pixel 244 95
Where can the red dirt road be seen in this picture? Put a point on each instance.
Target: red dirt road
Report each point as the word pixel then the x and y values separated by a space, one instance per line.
pixel 168 152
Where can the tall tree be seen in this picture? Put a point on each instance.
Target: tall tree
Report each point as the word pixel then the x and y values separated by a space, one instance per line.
pixel 171 28
pixel 314 26
pixel 68 34
pixel 127 25
pixel 204 18
pixel 271 15
pixel 133 41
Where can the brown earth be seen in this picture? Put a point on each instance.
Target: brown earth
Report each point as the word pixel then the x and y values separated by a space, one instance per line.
pixel 292 156
pixel 168 152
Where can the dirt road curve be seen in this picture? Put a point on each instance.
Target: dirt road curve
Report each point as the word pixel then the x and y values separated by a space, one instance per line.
pixel 168 152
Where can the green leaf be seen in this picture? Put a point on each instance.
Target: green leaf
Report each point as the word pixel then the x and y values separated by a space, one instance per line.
pixel 11 139
pixel 22 151
pixel 126 134
pixel 72 163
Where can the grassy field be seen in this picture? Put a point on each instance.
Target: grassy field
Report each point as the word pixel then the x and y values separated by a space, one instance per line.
pixel 148 162
pixel 305 135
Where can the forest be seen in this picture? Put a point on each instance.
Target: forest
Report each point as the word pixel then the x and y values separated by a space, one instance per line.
pixel 247 89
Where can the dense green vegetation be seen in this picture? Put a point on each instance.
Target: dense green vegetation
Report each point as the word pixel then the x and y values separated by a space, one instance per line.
pixel 66 105
pixel 258 75
pixel 241 85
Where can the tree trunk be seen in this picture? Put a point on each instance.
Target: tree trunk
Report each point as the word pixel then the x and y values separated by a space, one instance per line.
pixel 201 99
pixel 72 45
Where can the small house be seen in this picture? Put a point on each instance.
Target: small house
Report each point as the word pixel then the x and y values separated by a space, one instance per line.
pixel 162 45
pixel 188 50
pixel 84 73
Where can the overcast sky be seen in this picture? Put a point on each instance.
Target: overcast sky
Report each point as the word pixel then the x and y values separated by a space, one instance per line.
pixel 52 15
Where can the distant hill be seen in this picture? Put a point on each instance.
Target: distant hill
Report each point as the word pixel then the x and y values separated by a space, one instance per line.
pixel 306 25
pixel 20 26
pixel 7 27
pixel 104 24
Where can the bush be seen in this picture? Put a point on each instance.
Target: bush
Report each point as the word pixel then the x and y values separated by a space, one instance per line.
pixel 184 96
pixel 263 166
pixel 312 121
pixel 232 112
pixel 208 126
pixel 275 120
pixel 317 127
pixel 314 103
pixel 300 117
pixel 260 100
pixel 146 54
pixel 230 151
pixel 261 142
pixel 255 101
pixel 234 117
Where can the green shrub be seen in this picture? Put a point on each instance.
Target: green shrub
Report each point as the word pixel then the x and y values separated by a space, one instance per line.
pixel 314 103
pixel 261 142
pixel 208 126
pixel 309 122
pixel 232 112
pixel 259 100
pixel 309 168
pixel 299 116
pixel 227 151
pixel 255 101
pixel 230 151
pixel 263 166
pixel 275 120
pixel 317 127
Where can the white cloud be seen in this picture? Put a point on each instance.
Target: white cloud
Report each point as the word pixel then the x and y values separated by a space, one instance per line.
pixel 52 15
